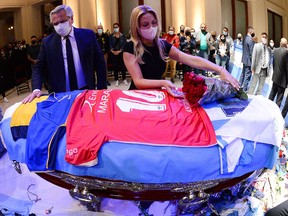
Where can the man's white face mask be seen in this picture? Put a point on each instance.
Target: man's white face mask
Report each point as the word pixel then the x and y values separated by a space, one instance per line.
pixel 100 31
pixel 63 29
pixel 264 40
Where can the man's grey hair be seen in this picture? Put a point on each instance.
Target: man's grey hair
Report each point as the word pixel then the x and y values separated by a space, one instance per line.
pixel 68 10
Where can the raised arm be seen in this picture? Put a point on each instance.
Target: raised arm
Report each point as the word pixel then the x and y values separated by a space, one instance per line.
pixel 201 63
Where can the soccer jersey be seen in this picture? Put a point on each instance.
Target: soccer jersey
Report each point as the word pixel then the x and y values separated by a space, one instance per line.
pixel 45 130
pixel 22 116
pixel 150 117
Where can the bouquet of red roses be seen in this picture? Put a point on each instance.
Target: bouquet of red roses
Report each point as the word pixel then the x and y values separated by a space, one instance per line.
pixel 199 89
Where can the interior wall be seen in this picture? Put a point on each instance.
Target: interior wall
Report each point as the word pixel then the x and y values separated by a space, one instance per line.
pixel 2 32
pixel 31 21
pixel 126 13
pixel 260 20
pixel 113 13
pixel 12 3
pixel 196 14
pixel 27 14
pixel 18 24
pixel 280 7
pixel 226 16
pixel 76 10
pixel 178 13
pixel 88 8
pixel 103 16
pixel 168 17
pixel 156 5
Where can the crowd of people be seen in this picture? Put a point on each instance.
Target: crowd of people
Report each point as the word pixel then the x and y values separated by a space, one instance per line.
pixel 207 45
pixel 18 54
pixel 198 43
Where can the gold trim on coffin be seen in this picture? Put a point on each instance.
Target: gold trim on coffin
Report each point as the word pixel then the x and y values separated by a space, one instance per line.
pixel 97 184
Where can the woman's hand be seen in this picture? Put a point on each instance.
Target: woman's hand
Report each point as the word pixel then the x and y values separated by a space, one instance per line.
pixel 226 76
pixel 172 90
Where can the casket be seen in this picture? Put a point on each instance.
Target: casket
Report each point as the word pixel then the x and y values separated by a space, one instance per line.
pixel 248 135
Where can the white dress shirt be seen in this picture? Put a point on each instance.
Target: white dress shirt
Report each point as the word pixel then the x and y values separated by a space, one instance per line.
pixel 78 67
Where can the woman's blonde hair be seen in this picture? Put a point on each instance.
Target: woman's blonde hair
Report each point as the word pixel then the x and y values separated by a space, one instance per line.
pixel 135 35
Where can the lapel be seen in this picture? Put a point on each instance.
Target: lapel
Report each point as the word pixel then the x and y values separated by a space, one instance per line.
pixel 58 50
pixel 80 44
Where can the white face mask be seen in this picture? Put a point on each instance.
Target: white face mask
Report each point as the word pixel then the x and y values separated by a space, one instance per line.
pixel 149 34
pixel 63 29
pixel 272 44
pixel 225 33
pixel 170 32
pixel 116 30
pixel 264 40
pixel 100 31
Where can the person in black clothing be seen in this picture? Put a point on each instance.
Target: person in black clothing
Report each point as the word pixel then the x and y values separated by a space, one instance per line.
pixel 103 40
pixel 279 210
pixel 3 150
pixel 33 51
pixel 187 45
pixel 3 68
pixel 145 56
pixel 2 88
pixel 117 42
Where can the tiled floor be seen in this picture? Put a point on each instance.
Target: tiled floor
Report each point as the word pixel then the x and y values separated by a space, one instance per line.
pixel 15 186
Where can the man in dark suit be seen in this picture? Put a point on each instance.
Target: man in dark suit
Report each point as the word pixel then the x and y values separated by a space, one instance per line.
pixel 248 45
pixel 56 56
pixel 280 72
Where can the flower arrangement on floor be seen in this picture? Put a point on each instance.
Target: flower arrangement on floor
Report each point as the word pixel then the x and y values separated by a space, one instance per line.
pixel 199 89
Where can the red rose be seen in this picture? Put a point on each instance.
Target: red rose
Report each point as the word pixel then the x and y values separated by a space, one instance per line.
pixel 194 87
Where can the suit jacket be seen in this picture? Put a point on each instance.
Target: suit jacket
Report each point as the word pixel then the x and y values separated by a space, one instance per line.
pixel 50 61
pixel 248 45
pixel 280 67
pixel 257 53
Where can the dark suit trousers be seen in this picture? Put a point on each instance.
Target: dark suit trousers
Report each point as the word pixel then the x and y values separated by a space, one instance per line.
pixel 279 91
pixel 280 210
pixel 118 65
pixel 285 108
pixel 245 77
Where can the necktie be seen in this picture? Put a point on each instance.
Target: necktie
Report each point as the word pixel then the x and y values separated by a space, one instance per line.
pixel 71 66
pixel 264 57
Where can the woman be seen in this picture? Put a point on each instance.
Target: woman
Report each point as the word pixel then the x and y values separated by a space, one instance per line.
pixel 222 51
pixel 212 47
pixel 145 56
